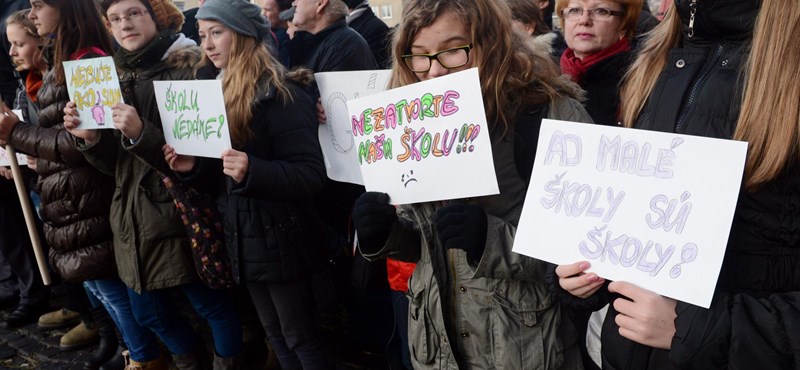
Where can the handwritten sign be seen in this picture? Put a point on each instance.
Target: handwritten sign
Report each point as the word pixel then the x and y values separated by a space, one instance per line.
pixel 336 136
pixel 94 87
pixel 193 116
pixel 650 208
pixel 426 141
pixel 21 158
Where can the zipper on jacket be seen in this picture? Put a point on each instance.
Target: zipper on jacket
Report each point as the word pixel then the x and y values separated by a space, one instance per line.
pixel 696 86
pixel 692 12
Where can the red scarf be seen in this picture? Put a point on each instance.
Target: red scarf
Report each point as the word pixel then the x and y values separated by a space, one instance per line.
pixel 576 68
pixel 32 85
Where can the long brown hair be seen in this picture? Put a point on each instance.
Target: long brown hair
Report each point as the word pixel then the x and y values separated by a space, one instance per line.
pixel 769 118
pixel 248 63
pixel 512 74
pixel 80 27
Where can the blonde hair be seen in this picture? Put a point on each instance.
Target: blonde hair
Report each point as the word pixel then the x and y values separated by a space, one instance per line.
pixel 770 115
pixel 769 118
pixel 631 8
pixel 641 77
pixel 248 64
pixel 20 18
pixel 512 74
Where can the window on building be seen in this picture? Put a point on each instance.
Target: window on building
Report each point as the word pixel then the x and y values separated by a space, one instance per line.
pixel 386 11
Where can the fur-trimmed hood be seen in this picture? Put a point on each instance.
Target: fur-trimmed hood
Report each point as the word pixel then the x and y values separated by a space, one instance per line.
pixel 184 53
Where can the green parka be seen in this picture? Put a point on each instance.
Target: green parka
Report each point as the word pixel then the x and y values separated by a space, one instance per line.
pixel 501 312
pixel 152 250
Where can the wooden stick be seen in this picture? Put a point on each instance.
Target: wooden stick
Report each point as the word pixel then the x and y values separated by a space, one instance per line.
pixel 24 201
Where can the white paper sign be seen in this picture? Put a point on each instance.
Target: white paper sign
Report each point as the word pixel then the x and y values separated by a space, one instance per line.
pixel 193 116
pixel 336 136
pixel 22 159
pixel 425 142
pixel 650 208
pixel 94 87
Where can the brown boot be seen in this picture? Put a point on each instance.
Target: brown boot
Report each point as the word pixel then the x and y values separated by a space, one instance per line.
pixel 159 364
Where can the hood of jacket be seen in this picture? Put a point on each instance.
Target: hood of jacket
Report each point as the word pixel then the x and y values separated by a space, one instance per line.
pixel 718 20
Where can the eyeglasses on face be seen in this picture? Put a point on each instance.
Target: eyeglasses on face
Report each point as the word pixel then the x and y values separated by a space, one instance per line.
pixel 131 16
pixel 450 58
pixel 598 14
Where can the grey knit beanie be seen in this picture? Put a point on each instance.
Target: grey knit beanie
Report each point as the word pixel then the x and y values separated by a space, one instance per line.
pixel 239 15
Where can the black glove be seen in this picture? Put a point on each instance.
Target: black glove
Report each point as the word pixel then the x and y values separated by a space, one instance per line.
pixel 462 226
pixel 373 218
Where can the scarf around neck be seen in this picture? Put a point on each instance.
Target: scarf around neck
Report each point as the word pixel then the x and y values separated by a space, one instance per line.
pixel 576 68
pixel 147 56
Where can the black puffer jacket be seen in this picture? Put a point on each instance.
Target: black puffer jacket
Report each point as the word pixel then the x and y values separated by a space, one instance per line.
pixel 754 319
pixel 271 228
pixel 336 48
pixel 75 196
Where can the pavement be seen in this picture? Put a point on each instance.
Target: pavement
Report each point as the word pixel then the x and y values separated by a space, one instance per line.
pixel 30 348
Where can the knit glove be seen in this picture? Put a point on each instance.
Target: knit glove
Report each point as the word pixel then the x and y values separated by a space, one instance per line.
pixel 462 226
pixel 373 218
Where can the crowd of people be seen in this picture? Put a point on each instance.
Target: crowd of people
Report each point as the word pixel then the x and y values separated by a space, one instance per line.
pixel 440 274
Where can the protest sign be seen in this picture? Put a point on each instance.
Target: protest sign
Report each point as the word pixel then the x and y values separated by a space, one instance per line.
pixel 193 116
pixel 650 208
pixel 425 142
pixel 21 158
pixel 94 87
pixel 336 135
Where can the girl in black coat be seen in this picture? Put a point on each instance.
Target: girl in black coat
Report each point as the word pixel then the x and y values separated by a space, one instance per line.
pixel 722 69
pixel 267 180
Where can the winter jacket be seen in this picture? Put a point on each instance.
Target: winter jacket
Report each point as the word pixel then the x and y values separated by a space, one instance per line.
pixel 271 228
pixel 336 48
pixel 601 82
pixel 376 33
pixel 501 314
pixel 152 249
pixel 754 318
pixel 75 196
pixel 30 109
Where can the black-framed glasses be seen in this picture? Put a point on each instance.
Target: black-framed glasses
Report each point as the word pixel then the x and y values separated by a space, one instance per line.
pixel 598 14
pixel 131 16
pixel 450 58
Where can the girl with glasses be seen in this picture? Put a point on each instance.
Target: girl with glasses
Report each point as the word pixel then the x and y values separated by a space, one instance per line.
pixel 474 304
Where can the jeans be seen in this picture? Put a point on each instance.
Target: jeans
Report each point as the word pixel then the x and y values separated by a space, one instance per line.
pixel 287 312
pixel 113 294
pixel 154 310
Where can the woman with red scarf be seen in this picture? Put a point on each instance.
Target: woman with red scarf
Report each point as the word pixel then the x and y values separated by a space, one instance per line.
pixel 598 35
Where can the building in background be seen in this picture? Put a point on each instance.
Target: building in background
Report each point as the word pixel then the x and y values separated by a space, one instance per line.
pixel 388 11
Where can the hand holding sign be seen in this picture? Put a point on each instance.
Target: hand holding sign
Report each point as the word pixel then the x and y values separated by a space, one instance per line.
pixel 177 162
pixel 645 317
pixel 126 120
pixel 72 121
pixel 235 164
pixel 8 119
pixel 576 281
